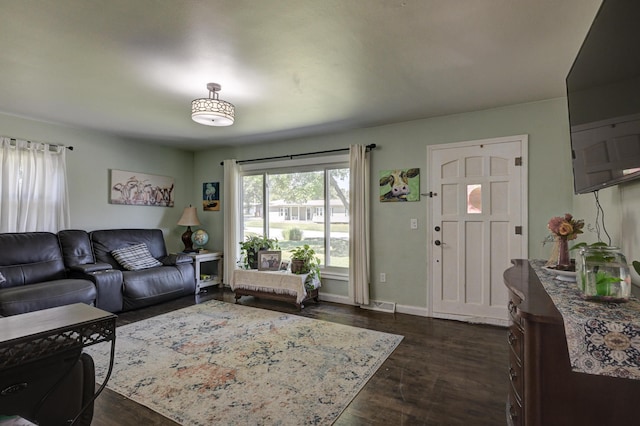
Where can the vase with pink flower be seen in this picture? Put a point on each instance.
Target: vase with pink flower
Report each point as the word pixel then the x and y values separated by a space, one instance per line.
pixel 563 229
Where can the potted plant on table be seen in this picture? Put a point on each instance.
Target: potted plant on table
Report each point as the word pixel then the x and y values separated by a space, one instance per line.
pixel 305 261
pixel 252 245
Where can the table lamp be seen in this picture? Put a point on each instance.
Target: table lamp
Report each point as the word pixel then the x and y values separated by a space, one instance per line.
pixel 189 218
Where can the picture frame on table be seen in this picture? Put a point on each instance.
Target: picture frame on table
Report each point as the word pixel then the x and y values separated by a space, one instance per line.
pixel 284 265
pixel 269 260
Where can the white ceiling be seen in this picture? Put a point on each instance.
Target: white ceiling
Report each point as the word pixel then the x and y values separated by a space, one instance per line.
pixel 290 67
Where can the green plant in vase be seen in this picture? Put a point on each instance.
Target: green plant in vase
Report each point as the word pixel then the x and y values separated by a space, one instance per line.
pixel 252 245
pixel 304 260
pixel 603 272
pixel 580 258
pixel 603 282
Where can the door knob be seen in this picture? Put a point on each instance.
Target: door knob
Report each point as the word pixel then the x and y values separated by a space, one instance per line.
pixel 437 242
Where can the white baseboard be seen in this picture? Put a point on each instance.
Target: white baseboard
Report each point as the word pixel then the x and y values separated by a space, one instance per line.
pixel 402 309
pixel 474 320
pixel 380 306
pixel 419 311
pixel 412 310
pixel 335 298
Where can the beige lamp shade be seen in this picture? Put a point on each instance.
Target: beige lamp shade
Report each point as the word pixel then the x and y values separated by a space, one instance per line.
pixel 189 217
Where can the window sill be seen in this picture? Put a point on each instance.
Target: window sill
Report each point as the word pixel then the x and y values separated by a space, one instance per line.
pixel 333 275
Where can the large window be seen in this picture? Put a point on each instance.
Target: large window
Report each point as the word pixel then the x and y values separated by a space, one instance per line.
pixel 300 205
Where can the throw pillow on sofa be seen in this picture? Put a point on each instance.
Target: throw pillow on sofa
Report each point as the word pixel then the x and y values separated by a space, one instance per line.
pixel 135 258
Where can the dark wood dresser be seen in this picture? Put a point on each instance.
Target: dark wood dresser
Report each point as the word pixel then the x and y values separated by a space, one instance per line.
pixel 544 390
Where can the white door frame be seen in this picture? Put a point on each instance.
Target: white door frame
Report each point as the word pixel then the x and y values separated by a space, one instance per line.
pixel 524 141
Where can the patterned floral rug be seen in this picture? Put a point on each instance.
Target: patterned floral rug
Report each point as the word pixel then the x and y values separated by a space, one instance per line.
pixel 219 363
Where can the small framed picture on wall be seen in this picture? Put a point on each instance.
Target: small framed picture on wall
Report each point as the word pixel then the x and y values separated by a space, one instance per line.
pixel 211 196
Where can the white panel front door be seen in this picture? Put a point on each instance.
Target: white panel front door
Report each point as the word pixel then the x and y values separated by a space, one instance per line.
pixel 479 200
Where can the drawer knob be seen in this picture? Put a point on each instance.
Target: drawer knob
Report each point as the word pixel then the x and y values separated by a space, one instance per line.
pixel 512 373
pixel 511 337
pixel 512 412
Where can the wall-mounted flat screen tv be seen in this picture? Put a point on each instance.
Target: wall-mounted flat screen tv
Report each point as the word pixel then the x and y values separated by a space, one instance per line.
pixel 603 93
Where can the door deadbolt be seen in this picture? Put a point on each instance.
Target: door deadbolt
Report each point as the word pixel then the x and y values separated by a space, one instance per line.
pixel 437 229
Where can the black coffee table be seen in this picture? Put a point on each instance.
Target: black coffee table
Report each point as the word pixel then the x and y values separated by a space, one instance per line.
pixel 38 336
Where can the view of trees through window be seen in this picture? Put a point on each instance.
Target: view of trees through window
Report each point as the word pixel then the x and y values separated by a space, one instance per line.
pixel 300 210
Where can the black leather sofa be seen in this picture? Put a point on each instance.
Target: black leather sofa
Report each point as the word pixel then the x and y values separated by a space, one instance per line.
pixel 39 270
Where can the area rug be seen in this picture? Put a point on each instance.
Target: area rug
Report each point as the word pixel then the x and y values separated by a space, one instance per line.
pixel 217 363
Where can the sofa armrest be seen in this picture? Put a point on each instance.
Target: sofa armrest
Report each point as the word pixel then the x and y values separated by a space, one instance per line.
pixel 175 259
pixel 109 289
pixel 90 267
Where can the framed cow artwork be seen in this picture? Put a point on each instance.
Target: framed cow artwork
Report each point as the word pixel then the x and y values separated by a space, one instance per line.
pixel 141 189
pixel 400 185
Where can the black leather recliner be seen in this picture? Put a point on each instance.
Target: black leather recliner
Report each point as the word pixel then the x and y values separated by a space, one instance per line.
pixel 33 275
pixel 88 255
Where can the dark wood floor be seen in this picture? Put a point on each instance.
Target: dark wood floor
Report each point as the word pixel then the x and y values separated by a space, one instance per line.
pixel 443 372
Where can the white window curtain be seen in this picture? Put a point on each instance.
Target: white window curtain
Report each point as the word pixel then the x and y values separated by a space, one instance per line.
pixel 231 209
pixel 359 224
pixel 33 187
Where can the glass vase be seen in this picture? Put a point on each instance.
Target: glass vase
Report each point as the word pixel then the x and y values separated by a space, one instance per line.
pixel 603 274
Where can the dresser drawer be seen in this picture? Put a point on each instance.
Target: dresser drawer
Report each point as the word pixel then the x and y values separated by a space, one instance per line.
pixel 514 312
pixel 515 376
pixel 515 337
pixel 514 411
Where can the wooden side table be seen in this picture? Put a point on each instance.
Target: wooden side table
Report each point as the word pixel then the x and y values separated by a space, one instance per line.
pixel 204 281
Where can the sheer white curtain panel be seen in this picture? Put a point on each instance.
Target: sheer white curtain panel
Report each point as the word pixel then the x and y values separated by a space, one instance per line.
pixel 33 187
pixel 231 209
pixel 359 224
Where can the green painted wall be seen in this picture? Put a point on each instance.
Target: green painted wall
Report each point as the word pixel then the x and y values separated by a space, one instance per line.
pixel 396 249
pixel 88 168
pixel 621 206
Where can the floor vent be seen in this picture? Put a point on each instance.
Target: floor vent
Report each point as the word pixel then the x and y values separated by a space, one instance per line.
pixel 376 305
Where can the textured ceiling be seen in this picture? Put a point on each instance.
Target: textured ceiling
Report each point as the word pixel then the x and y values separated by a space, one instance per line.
pixel 291 68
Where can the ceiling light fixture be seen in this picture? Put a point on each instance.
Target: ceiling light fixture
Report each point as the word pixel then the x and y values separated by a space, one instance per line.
pixel 212 111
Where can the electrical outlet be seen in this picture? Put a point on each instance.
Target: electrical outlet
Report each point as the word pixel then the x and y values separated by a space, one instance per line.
pixel 414 223
pixel 383 277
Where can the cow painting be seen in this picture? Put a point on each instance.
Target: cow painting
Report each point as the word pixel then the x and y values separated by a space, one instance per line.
pixel 400 185
pixel 141 189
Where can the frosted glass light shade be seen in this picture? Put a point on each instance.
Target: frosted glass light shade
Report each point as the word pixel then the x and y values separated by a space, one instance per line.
pixel 212 111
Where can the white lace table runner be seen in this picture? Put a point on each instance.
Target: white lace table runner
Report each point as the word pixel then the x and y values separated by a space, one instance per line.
pixel 277 282
pixel 603 337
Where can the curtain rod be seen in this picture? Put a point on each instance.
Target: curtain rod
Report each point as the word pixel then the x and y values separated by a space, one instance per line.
pixel 292 156
pixel 70 148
